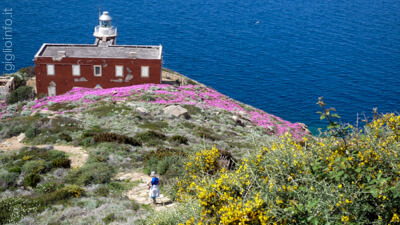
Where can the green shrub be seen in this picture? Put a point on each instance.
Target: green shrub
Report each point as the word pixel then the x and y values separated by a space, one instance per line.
pixel 7 178
pixel 135 206
pixel 42 95
pixel 109 218
pixel 91 173
pixel 112 137
pixel 69 191
pixel 102 190
pixel 104 110
pixel 151 137
pixel 13 209
pixel 15 169
pixel 148 98
pixel 36 166
pixel 61 106
pixel 206 133
pixel 61 163
pixel 32 180
pixel 178 139
pixel 65 137
pixel 27 71
pixel 20 94
pixel 192 109
pixel 32 132
pixel 157 125
pixel 92 132
pixel 19 81
pixel 165 161
pixel 47 187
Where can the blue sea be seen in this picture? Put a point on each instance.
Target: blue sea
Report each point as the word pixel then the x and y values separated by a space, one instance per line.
pixel 276 55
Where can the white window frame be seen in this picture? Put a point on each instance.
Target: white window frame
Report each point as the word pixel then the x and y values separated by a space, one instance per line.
pixel 74 68
pixel 51 69
pixel 145 71
pixel 94 70
pixel 50 88
pixel 118 69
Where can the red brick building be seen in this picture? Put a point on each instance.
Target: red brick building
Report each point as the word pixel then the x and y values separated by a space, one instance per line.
pixel 60 67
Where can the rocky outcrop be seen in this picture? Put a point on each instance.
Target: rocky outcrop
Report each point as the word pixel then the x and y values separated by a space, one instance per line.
pixel 176 111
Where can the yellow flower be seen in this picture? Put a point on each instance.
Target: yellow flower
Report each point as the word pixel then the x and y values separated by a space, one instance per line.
pixel 340 186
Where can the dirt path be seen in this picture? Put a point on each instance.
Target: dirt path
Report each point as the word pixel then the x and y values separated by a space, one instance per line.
pixel 140 193
pixel 77 155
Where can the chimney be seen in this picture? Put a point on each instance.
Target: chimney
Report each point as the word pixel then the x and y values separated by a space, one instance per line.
pixel 61 54
pixel 132 55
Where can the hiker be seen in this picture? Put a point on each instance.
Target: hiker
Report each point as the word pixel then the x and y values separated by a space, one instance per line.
pixel 154 187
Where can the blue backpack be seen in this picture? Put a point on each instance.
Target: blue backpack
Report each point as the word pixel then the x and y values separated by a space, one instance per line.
pixel 154 181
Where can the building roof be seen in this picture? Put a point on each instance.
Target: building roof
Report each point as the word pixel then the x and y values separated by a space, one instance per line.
pixel 100 51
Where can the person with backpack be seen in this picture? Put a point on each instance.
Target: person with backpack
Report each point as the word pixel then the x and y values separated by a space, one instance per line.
pixel 154 188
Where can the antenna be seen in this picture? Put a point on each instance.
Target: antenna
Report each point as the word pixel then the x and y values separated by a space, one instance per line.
pixel 99 11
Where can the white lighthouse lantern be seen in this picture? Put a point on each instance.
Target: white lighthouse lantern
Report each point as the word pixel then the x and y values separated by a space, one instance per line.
pixel 105 31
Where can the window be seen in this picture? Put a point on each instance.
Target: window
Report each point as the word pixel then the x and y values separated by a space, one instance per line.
pixel 119 71
pixel 76 70
pixel 97 71
pixel 145 71
pixel 51 89
pixel 50 70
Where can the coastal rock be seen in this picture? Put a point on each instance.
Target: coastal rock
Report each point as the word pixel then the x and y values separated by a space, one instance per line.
pixel 176 111
pixel 48 147
pixel 243 115
pixel 304 127
pixel 20 137
pixel 142 111
pixel 237 120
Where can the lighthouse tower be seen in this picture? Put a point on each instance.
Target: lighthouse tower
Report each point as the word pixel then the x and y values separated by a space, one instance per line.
pixel 105 33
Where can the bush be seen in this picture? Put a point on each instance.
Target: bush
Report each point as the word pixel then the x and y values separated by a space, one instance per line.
pixel 102 191
pixel 61 163
pixel 165 161
pixel 32 180
pixel 36 166
pixel 7 178
pixel 178 139
pixel 15 169
pixel 206 133
pixel 69 191
pixel 112 137
pixel 47 187
pixel 109 218
pixel 27 71
pixel 20 94
pixel 151 137
pixel 65 137
pixel 13 209
pixel 154 125
pixel 19 81
pixel 32 132
pixel 91 173
pixel 333 180
pixel 135 206
pixel 192 110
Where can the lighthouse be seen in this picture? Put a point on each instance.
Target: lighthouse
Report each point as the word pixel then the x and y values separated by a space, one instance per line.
pixel 105 32
pixel 61 67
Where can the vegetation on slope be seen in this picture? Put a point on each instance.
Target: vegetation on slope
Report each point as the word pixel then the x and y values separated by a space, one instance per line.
pixel 122 130
pixel 331 180
pixel 247 176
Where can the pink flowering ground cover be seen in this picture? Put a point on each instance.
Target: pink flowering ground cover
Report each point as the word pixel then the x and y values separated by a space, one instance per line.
pixel 166 94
